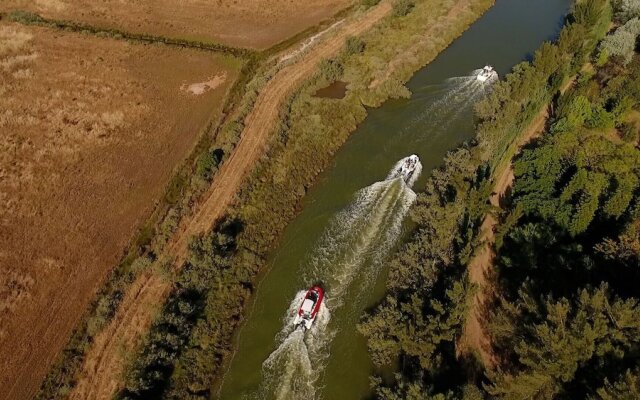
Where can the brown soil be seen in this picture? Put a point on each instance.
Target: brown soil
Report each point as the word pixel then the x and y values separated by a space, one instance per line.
pixel 101 375
pixel 474 337
pixel 92 130
pixel 255 24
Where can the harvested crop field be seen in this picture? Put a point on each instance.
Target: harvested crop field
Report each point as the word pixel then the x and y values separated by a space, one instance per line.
pixel 256 24
pixel 91 131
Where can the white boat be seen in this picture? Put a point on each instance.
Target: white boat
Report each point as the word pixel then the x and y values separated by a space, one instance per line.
pixel 486 73
pixel 408 167
pixel 309 308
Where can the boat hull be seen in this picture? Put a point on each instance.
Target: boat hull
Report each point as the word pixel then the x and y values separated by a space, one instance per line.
pixel 309 309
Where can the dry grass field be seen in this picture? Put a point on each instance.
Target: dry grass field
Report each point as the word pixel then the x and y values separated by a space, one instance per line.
pixel 91 130
pixel 238 23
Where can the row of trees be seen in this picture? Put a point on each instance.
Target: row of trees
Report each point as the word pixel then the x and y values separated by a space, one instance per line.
pixel 556 324
pixel 566 318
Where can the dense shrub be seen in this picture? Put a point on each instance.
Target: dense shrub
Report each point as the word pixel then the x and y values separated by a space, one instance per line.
pixel 355 45
pixel 403 7
pixel 626 9
pixel 629 132
pixel 622 43
pixel 208 162
pixel 370 3
pixel 331 69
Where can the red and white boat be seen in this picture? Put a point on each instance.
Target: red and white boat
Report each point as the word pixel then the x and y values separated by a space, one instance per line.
pixel 309 308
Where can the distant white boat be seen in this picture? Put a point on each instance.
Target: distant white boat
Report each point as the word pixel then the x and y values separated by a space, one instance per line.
pixel 486 73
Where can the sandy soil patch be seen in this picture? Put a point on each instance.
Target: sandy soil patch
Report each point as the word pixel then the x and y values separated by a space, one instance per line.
pixel 202 87
pixel 239 23
pixel 90 132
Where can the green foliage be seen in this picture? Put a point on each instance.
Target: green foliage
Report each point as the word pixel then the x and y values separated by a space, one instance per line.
pixel 573 189
pixel 603 57
pixel 578 174
pixel 208 163
pixel 572 227
pixel 26 17
pixel 561 345
pixel 370 3
pixel 403 7
pixel 629 133
pixel 626 9
pixel 626 388
pixel 331 70
pixel 355 45
pixel 622 43
pixel 209 258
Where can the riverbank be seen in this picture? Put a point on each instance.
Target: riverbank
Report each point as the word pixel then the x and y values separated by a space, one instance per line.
pixel 438 262
pixel 295 156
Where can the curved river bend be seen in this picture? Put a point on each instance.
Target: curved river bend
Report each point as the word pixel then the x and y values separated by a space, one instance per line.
pixel 355 216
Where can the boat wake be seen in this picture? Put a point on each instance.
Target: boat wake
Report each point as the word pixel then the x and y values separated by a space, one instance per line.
pixel 458 97
pixel 347 261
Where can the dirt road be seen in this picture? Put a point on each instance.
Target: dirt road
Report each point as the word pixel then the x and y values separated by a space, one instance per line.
pixel 101 374
pixel 474 337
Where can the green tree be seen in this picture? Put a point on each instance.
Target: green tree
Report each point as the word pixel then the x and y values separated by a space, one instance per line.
pixel 570 334
pixel 625 388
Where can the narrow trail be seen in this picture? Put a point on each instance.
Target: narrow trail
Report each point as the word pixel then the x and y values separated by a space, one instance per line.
pixel 101 374
pixel 474 337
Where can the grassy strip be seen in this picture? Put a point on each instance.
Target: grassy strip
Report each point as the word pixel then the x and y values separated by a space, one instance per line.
pixel 311 131
pixel 30 18
pixel 309 32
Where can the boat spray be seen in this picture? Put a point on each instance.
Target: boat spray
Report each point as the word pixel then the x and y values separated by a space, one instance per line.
pixel 347 260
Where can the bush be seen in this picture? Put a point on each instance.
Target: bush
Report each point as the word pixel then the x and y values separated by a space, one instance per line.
pixel 208 163
pixel 331 70
pixel 403 7
pixel 629 132
pixel 25 17
pixel 355 45
pixel 622 43
pixel 627 9
pixel 370 3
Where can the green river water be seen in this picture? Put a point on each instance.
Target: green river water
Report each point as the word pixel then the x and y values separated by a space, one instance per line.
pixel 353 218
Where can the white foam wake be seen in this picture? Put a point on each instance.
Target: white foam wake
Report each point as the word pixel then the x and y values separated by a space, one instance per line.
pixel 459 95
pixel 346 261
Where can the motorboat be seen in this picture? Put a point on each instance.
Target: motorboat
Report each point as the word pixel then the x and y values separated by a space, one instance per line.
pixel 408 167
pixel 309 308
pixel 486 73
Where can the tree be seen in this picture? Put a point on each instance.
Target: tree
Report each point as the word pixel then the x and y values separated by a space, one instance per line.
pixel 625 388
pixel 569 334
pixel 626 9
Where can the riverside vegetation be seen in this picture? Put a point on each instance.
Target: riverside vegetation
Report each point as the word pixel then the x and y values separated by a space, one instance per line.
pixel 192 337
pixel 564 314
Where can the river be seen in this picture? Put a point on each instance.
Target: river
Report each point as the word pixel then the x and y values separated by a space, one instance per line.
pixel 354 217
